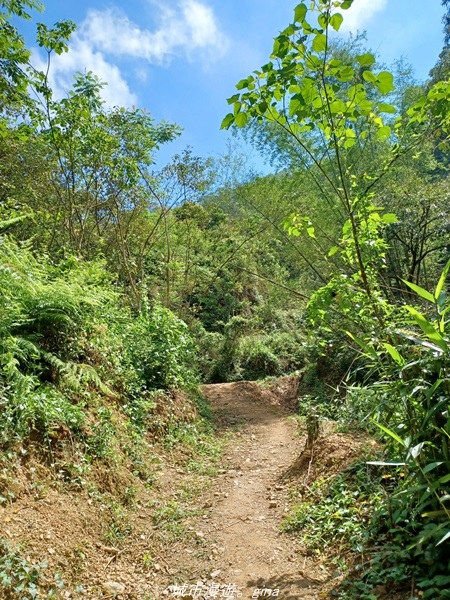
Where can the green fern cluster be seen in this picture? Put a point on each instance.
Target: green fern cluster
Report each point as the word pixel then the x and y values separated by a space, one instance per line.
pixel 42 310
pixel 66 336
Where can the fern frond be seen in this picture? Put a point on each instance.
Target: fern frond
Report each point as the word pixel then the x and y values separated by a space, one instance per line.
pixel 12 221
pixel 75 374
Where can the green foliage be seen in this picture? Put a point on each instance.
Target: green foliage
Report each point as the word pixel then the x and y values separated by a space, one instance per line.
pixel 57 352
pixel 271 354
pixel 167 514
pixel 161 350
pixel 270 343
pixel 43 409
pixel 22 580
pixel 332 107
pixel 256 359
pixel 406 393
pixel 236 257
pixel 337 514
pixel 41 309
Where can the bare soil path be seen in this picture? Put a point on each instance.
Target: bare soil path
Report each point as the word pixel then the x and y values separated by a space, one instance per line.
pixel 250 556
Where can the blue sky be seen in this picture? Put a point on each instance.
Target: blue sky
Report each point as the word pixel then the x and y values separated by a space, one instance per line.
pixel 180 59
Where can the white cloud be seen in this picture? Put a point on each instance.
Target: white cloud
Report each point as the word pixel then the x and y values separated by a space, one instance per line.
pixel 83 58
pixel 183 30
pixel 361 13
pixel 189 26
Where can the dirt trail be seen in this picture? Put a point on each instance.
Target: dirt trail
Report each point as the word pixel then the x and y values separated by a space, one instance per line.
pixel 251 499
pixel 223 539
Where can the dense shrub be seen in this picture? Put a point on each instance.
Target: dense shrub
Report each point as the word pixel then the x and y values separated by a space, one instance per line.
pixel 161 350
pixel 66 336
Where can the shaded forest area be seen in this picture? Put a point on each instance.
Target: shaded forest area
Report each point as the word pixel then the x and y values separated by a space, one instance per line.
pixel 122 286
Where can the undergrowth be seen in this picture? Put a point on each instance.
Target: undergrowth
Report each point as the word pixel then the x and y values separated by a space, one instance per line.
pixel 335 514
pixel 20 578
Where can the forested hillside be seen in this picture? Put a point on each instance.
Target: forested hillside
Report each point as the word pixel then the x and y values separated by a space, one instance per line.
pixel 123 288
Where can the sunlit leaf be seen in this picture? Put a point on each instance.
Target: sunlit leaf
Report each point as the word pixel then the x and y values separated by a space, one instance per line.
pixel 390 433
pixel 428 329
pixel 300 13
pixel 420 291
pixel 389 218
pixel 365 60
pixel 442 280
pixel 319 43
pixel 384 133
pixel 336 21
pixel 385 82
pixel 394 353
pixel 227 121
pixel 241 119
pixel 387 108
pixel 369 76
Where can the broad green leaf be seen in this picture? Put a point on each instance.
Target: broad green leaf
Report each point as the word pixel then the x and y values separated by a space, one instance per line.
pixel 384 133
pixel 441 281
pixel 349 143
pixel 335 63
pixel 369 76
pixel 323 20
pixel 295 105
pixel 428 329
pixel 385 82
pixel 228 120
pixel 346 4
pixel 387 108
pixel 337 107
pixel 389 218
pixel 368 349
pixel 310 232
pixel 300 13
pixel 243 83
pixel 313 62
pixel 262 107
pixel 319 43
pixel 395 354
pixel 233 99
pixel 333 250
pixel 276 47
pixel 345 74
pixel 241 119
pixel 444 479
pixel 420 291
pixel 390 433
pixel 365 60
pixel 432 466
pixel 336 21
